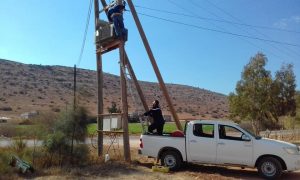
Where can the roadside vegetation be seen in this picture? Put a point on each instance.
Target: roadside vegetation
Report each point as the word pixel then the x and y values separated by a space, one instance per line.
pixel 264 101
pixel 62 142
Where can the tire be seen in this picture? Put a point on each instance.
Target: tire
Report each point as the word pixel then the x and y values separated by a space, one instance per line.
pixel 269 168
pixel 171 159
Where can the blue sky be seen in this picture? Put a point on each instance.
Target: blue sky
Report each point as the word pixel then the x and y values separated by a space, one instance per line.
pixel 50 32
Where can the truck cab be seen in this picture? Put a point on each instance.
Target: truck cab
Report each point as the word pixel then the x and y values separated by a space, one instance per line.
pixel 213 142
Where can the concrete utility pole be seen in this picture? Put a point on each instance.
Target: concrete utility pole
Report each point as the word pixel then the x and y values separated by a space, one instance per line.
pixel 99 87
pixel 153 62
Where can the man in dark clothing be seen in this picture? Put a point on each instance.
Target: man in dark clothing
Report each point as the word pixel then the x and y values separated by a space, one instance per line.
pixel 158 119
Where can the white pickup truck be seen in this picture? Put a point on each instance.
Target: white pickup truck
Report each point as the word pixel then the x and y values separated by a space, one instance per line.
pixel 222 143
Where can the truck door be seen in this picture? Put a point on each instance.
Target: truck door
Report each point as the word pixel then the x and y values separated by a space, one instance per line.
pixel 233 147
pixel 202 143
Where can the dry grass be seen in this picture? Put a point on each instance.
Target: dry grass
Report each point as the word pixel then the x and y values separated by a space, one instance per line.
pixel 140 168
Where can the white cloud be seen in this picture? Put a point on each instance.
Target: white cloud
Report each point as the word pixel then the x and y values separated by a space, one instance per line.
pixel 296 19
pixel 284 23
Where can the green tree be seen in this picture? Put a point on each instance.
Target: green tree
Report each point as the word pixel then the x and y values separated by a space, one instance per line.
pixel 298 105
pixel 286 87
pixel 71 128
pixel 113 108
pixel 253 98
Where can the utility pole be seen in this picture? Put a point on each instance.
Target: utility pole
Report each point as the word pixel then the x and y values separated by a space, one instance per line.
pixel 153 62
pixel 132 74
pixel 75 86
pixel 99 87
pixel 124 103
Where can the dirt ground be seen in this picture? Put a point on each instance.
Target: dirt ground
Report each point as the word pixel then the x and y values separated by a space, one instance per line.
pixel 140 168
pixel 137 171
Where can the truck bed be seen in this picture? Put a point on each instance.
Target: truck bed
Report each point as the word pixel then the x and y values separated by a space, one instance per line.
pixel 158 142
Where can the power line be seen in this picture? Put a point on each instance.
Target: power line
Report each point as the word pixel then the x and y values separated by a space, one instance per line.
pixel 219 31
pixel 238 20
pixel 85 32
pixel 218 20
pixel 221 28
pixel 241 28
pixel 209 20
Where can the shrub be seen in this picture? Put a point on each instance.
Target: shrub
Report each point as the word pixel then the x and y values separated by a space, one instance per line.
pixel 61 146
pixel 56 147
pixel 55 109
pixel 4 159
pixel 18 145
pixel 6 109
pixel 7 130
pixel 81 154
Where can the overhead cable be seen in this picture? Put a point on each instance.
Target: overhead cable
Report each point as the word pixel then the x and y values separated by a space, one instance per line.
pixel 219 31
pixel 218 20
pixel 85 32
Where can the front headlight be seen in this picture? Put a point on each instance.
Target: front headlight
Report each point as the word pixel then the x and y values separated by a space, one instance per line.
pixel 291 150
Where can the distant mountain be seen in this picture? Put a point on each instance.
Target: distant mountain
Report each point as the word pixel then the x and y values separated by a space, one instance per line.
pixel 26 88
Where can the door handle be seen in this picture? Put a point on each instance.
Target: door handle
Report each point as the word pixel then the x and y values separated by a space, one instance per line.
pixel 193 141
pixel 221 143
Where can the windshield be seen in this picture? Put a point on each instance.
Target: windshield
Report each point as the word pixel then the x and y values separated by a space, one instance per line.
pixel 252 134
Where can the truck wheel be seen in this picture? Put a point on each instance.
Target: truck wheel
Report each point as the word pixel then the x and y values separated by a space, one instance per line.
pixel 269 168
pixel 171 159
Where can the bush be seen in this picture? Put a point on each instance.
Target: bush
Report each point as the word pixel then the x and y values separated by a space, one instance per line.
pixel 5 109
pixel 4 159
pixel 81 155
pixel 8 130
pixel 18 145
pixel 56 147
pixel 55 109
pixel 62 146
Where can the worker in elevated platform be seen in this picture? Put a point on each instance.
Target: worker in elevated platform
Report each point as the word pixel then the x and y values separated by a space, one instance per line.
pixel 158 119
pixel 115 15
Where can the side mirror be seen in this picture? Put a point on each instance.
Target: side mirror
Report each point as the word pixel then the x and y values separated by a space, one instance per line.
pixel 246 138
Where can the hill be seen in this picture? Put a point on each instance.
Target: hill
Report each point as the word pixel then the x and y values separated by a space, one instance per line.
pixel 25 88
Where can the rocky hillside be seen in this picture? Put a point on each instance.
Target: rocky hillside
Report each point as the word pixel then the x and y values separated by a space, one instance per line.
pixel 25 88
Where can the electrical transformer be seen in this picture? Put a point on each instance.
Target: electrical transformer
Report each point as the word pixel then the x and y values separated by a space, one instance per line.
pixel 105 34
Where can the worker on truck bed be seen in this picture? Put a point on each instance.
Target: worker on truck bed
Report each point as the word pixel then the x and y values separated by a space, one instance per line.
pixel 158 119
pixel 115 15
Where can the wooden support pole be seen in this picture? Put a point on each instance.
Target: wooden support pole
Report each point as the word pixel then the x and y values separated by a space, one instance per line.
pixel 153 62
pixel 99 87
pixel 124 104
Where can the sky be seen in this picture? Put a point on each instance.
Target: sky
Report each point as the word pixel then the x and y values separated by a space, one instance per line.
pixel 200 43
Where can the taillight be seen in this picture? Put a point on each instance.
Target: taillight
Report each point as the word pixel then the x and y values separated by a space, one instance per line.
pixel 141 143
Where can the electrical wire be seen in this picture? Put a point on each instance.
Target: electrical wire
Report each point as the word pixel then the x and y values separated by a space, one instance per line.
pixel 219 27
pixel 85 32
pixel 212 13
pixel 220 31
pixel 286 50
pixel 218 20
pixel 244 30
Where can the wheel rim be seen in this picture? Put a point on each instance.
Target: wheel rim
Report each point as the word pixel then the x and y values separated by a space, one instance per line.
pixel 268 169
pixel 170 161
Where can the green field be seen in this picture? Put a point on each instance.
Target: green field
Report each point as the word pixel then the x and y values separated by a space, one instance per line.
pixel 136 128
